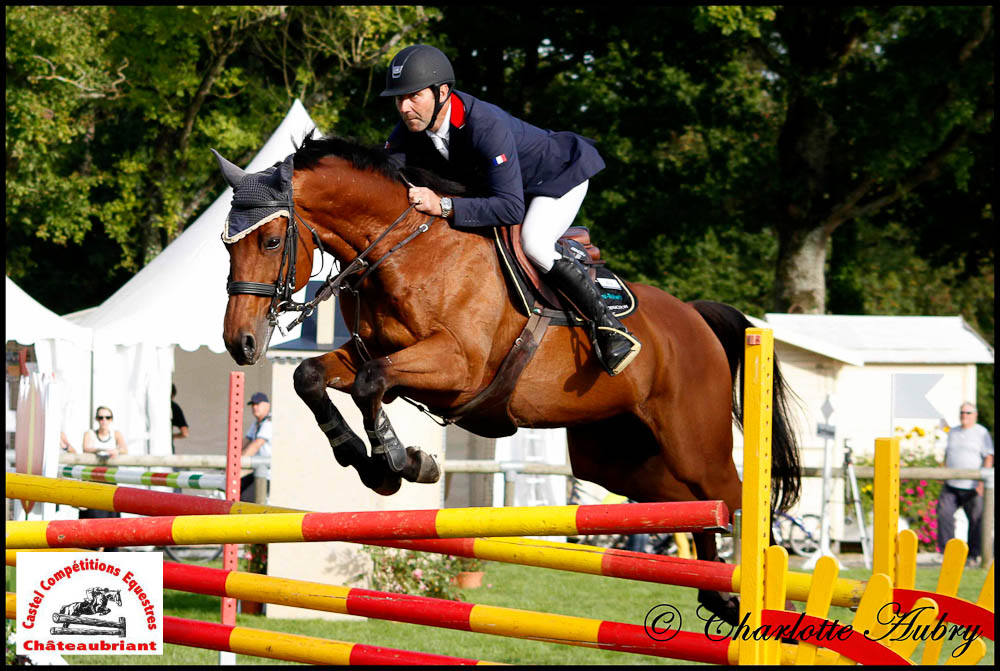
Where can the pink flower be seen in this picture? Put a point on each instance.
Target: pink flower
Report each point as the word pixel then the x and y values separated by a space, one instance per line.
pixel 920 491
pixel 418 573
pixel 923 483
pixel 933 524
pixel 909 491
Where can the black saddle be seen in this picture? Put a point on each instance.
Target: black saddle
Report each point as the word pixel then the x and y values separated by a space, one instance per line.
pixel 531 294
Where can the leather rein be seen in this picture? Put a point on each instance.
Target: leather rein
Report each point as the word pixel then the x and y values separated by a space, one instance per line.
pixel 281 290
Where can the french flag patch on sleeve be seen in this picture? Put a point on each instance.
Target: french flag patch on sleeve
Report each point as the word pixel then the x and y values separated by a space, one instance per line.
pixel 502 158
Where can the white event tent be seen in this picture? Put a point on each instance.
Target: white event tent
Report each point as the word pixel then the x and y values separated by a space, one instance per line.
pixel 178 299
pixel 62 350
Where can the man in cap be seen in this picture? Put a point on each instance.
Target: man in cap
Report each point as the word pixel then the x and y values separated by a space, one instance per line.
pixel 969 446
pixel 257 441
pixel 521 174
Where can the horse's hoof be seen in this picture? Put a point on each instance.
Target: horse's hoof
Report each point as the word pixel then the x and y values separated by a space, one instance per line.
pixel 390 485
pixel 420 467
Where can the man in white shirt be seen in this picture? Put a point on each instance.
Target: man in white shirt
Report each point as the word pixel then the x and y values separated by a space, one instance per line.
pixel 257 441
pixel 969 446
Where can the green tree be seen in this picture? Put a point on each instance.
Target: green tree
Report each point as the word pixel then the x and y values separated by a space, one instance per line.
pixel 112 110
pixel 877 103
pixel 738 140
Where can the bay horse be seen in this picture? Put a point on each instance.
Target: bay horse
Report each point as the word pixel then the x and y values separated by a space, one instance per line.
pixel 433 321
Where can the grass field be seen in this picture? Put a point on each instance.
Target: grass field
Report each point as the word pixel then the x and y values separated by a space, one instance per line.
pixel 503 585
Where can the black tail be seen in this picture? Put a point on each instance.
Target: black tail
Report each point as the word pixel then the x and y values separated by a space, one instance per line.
pixel 729 325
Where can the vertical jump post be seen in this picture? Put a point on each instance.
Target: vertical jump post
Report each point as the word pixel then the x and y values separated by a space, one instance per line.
pixel 234 450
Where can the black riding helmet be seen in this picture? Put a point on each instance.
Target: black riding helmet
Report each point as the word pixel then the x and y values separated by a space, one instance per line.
pixel 418 67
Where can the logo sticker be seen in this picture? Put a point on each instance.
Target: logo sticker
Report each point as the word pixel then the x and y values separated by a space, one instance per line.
pixel 502 158
pixel 397 70
pixel 608 283
pixel 90 603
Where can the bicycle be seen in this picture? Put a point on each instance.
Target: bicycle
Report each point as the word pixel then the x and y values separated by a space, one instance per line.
pixel 798 534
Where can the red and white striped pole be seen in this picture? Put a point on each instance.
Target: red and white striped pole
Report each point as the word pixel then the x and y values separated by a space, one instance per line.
pixel 234 454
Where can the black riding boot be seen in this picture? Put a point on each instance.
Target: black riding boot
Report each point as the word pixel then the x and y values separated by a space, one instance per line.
pixel 614 345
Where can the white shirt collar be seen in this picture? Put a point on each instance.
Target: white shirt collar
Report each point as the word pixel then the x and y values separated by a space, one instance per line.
pixel 445 131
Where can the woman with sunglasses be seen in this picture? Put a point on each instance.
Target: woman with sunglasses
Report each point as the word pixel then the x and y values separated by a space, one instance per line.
pixel 106 441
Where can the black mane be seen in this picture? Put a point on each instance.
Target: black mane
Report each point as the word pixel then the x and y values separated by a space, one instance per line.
pixel 366 157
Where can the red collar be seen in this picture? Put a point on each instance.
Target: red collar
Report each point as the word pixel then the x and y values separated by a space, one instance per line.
pixel 457 112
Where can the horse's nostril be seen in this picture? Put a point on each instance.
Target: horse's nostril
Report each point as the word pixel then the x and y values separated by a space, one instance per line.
pixel 249 346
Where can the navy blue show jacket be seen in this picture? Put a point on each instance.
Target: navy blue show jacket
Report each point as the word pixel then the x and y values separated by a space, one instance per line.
pixel 504 160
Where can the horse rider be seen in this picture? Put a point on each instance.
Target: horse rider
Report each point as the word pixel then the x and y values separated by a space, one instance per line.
pixel 457 136
pixel 97 598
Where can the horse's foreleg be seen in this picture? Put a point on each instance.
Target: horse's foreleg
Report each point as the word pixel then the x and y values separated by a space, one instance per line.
pixel 311 379
pixel 426 365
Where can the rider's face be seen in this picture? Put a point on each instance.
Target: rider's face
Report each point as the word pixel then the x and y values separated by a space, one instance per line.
pixel 416 109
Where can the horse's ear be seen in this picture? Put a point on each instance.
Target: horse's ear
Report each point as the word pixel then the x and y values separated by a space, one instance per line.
pixel 285 170
pixel 231 172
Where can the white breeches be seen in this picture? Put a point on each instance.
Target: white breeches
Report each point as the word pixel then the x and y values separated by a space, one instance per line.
pixel 545 222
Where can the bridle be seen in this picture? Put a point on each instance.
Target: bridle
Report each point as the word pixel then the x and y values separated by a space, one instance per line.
pixel 281 290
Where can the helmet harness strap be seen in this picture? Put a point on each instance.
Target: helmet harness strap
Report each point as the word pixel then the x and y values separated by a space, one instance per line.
pixel 438 103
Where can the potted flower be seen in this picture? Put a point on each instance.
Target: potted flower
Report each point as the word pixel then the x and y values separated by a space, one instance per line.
pixel 470 574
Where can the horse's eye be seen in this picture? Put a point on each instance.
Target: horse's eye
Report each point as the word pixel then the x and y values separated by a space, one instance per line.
pixel 272 243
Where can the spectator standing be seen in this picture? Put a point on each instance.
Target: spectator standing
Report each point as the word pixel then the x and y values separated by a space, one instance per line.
pixel 177 421
pixel 106 441
pixel 969 446
pixel 257 442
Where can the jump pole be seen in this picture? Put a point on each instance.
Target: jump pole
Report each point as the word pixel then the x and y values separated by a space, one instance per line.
pixel 443 613
pixel 758 380
pixel 885 518
pixel 234 453
pixel 362 526
pixel 574 557
pixel 122 475
pixel 277 645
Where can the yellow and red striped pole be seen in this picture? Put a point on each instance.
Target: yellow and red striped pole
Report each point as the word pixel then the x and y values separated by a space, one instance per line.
pixel 515 623
pixel 378 525
pixel 99 496
pixel 293 647
pixel 525 551
pixel 579 558
pixel 279 645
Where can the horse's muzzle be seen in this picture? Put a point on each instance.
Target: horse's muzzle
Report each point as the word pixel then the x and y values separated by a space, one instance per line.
pixel 245 348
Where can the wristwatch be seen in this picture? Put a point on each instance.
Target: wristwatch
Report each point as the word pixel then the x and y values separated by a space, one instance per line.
pixel 446 207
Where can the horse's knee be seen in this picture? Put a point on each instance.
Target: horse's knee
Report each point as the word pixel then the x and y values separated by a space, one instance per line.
pixel 309 379
pixel 370 381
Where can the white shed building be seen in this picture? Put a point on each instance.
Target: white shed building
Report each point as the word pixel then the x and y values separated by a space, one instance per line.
pixel 883 375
